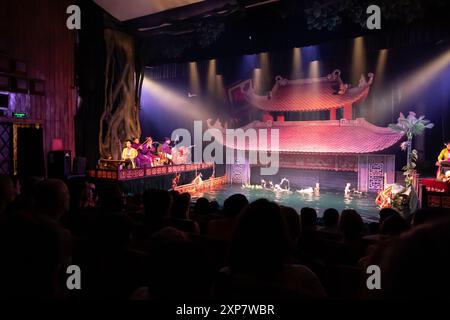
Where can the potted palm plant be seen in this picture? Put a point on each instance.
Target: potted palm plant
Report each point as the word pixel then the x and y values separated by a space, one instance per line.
pixel 410 126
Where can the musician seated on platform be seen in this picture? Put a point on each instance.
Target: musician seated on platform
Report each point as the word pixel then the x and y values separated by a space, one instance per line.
pixel 136 144
pixel 129 154
pixel 145 152
pixel 166 148
pixel 444 155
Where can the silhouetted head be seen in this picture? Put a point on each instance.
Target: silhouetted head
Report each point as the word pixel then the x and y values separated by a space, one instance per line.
pixel 113 230
pixel 214 206
pixel 180 206
pixel 385 213
pixel 29 185
pixel 52 198
pixel 136 140
pixel 177 267
pixel 234 204
pixel 308 217
pixel 31 257
pixel 7 192
pixel 157 204
pixel 351 224
pixel 425 215
pixel 292 221
pixel 394 225
pixel 330 218
pixel 415 265
pixel 260 241
pixel 110 198
pixel 201 206
pixel 78 189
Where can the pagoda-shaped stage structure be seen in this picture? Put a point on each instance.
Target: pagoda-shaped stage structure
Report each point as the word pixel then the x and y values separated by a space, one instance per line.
pixel 331 152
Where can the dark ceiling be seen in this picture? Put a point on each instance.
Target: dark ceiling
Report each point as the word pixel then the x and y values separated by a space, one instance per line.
pixel 213 28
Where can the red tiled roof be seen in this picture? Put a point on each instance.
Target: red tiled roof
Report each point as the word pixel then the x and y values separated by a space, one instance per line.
pixel 305 95
pixel 329 136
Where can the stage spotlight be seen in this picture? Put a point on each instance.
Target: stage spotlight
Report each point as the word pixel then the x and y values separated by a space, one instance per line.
pixel 265 76
pixel 314 69
pixel 358 59
pixel 296 63
pixel 212 70
pixel 419 79
pixel 220 88
pixel 413 83
pixel 194 82
pixel 256 80
pixel 381 66
pixel 176 102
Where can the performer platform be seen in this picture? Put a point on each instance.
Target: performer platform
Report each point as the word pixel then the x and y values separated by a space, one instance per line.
pixel 434 193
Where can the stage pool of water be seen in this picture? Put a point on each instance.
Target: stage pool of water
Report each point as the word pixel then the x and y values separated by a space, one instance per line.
pixel 364 204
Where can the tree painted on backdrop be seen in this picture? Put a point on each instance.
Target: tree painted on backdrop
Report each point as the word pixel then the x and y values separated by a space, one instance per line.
pixel 120 118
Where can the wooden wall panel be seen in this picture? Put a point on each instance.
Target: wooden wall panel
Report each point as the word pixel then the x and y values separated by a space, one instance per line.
pixel 35 31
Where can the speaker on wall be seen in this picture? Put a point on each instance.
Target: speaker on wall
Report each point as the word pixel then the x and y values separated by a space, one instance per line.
pixel 79 166
pixel 59 164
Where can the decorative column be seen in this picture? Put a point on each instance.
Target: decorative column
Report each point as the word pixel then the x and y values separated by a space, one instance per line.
pixel 348 111
pixel 332 114
pixel 238 173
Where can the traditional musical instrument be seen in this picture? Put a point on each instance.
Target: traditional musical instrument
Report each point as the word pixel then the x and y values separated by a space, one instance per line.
pixel 165 158
pixel 108 163
pixel 445 163
pixel 443 166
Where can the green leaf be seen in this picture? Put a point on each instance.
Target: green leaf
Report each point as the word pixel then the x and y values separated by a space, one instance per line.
pixel 396 128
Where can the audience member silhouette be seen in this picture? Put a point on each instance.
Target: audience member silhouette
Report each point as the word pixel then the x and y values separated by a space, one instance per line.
pixel 352 227
pixel 7 193
pixel 33 264
pixel 180 214
pixel 157 206
pixel 393 225
pixel 415 265
pixel 176 270
pixel 158 248
pixel 201 213
pixel 386 213
pixel 260 251
pixel 330 228
pixel 293 223
pixel 222 229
